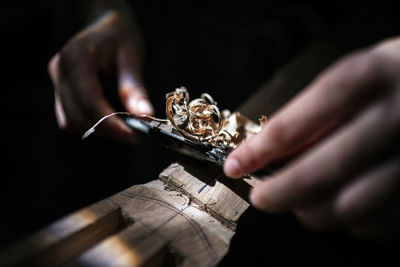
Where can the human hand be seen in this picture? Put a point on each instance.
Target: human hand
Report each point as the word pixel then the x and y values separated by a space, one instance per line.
pixel 109 44
pixel 346 125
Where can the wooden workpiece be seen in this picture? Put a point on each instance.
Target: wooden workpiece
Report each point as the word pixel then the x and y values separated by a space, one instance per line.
pixel 187 217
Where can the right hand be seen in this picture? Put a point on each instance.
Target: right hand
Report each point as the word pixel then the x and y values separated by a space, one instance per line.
pixel 345 128
pixel 107 44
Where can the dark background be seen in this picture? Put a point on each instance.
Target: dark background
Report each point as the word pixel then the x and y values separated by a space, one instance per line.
pixel 226 48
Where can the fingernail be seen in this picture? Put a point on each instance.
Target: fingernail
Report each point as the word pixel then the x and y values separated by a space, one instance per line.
pixel 144 106
pixel 232 168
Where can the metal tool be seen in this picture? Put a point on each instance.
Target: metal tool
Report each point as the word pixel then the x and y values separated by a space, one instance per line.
pixel 174 140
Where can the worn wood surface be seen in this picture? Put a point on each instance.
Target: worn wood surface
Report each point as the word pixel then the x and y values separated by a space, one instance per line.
pixel 187 217
pixel 66 238
pixel 209 192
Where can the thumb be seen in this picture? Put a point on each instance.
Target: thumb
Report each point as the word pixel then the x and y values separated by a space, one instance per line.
pixel 249 156
pixel 131 90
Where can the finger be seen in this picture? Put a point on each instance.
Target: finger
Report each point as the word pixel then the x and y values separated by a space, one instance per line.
pixel 358 203
pixel 53 69
pixel 381 224
pixel 69 116
pixel 81 94
pixel 369 193
pixel 327 102
pixel 336 159
pixel 132 92
pixel 319 216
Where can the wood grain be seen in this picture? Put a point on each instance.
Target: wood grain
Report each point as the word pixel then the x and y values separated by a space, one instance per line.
pixel 65 239
pixel 187 217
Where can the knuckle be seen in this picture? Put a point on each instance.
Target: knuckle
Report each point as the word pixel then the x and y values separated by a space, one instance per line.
pixel 262 200
pixel 67 58
pixel 67 51
pixel 75 52
pixel 248 156
pixel 63 125
pixel 277 132
pixel 363 69
pixel 345 210
pixel 387 53
pixel 362 63
pixel 304 180
pixel 309 220
pixel 258 198
pixel 114 17
pixel 53 67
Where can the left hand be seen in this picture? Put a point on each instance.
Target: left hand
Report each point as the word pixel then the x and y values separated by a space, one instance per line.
pixel 347 126
pixel 110 44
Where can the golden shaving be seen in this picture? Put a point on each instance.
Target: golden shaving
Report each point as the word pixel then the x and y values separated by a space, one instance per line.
pixel 201 120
